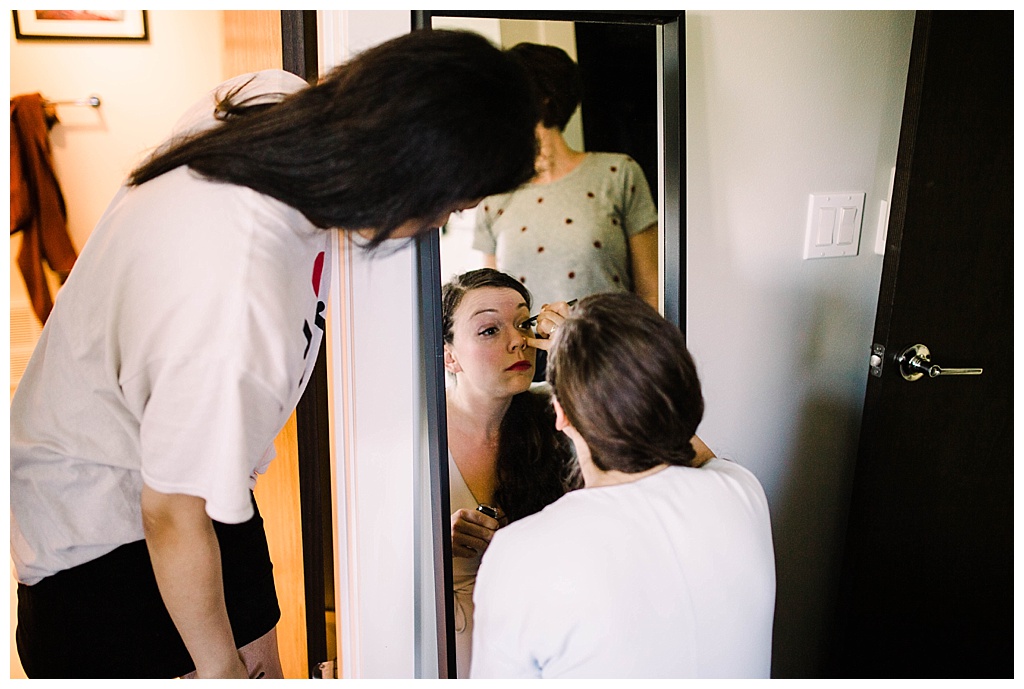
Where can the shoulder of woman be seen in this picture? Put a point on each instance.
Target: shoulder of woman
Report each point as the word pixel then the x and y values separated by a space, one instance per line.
pixel 492 204
pixel 278 80
pixel 540 394
pixel 617 166
pixel 268 85
pixel 266 82
pixel 610 157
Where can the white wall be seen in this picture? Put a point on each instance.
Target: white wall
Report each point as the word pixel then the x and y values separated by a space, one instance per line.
pixel 780 105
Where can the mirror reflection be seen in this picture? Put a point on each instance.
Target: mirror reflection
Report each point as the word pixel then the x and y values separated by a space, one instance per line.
pixel 506 460
pixel 587 223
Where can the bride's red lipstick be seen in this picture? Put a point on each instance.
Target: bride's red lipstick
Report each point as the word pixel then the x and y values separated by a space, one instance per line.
pixel 520 366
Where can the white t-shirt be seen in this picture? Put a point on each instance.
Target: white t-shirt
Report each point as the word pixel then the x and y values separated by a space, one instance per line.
pixel 175 353
pixel 669 576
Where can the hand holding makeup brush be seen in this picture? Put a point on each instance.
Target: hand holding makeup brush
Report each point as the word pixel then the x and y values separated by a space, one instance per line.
pixel 551 316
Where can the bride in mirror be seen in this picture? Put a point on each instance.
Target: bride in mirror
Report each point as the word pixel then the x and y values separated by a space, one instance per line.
pixel 505 460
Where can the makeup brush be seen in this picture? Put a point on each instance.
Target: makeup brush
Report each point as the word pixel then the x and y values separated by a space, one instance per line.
pixel 533 319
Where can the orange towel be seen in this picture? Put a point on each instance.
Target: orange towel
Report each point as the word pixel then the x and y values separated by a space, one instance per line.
pixel 37 204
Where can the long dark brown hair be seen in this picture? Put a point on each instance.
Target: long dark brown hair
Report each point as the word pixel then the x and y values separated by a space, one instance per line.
pixel 535 462
pixel 626 381
pixel 404 131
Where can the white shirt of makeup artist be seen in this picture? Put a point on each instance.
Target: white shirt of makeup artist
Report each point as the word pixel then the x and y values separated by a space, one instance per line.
pixel 669 576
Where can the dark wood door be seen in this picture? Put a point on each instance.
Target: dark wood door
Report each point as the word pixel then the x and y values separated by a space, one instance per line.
pixel 927 583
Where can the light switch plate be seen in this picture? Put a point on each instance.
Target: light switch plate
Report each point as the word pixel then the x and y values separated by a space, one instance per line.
pixel 833 224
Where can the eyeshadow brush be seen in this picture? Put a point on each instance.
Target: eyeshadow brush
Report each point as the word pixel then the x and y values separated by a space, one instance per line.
pixel 533 319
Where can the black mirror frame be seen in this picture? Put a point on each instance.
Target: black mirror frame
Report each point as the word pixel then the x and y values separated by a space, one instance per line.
pixel 429 269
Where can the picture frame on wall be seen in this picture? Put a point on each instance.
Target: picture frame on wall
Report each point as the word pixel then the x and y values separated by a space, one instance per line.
pixel 81 25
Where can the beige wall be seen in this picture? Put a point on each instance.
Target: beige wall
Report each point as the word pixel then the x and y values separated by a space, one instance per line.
pixel 143 86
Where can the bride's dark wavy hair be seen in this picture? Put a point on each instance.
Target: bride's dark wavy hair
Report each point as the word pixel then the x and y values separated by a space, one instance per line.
pixel 404 131
pixel 535 462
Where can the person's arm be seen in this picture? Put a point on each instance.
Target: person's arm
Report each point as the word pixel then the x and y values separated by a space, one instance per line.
pixel 186 561
pixel 643 257
pixel 490 261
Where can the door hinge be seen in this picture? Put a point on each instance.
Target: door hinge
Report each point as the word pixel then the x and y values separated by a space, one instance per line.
pixel 877 359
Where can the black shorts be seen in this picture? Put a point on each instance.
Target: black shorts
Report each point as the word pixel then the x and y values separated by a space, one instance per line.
pixel 106 619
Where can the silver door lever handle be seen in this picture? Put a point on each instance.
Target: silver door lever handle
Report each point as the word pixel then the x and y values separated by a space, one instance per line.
pixel 914 362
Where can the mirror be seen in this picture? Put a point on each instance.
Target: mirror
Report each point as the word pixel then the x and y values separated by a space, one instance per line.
pixel 630 66
pixel 617 114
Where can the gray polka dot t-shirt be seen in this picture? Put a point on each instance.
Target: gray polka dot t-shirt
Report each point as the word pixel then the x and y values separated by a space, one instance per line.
pixel 568 238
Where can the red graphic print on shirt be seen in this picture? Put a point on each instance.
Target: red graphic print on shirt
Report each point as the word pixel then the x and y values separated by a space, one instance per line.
pixel 318 270
pixel 318 320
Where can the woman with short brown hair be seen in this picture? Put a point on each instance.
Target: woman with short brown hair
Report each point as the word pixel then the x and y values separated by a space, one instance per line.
pixel 662 566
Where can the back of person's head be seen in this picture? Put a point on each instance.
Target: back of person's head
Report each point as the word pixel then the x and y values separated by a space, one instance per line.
pixel 556 81
pixel 406 130
pixel 627 383
pixel 455 289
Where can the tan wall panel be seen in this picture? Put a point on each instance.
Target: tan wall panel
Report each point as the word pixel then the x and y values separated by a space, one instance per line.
pixel 252 41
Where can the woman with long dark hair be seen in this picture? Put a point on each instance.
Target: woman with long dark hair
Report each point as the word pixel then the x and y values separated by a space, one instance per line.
pixel 186 333
pixel 506 460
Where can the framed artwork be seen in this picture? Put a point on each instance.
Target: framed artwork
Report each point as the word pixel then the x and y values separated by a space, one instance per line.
pixel 81 25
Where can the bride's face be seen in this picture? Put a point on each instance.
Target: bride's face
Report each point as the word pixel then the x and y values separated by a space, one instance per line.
pixel 488 350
